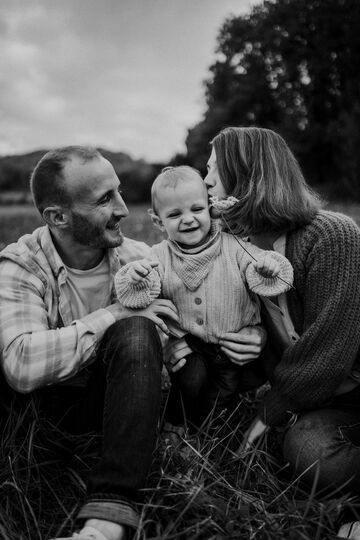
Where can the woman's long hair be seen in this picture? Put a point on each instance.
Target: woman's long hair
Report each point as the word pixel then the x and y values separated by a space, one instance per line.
pixel 258 168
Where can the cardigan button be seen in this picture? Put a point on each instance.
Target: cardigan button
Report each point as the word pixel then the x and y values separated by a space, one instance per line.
pixel 200 322
pixel 198 300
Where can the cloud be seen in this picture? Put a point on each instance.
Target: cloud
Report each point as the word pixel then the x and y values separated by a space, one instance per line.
pixel 124 75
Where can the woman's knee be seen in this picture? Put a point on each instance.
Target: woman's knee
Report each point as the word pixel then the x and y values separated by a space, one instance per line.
pixel 317 454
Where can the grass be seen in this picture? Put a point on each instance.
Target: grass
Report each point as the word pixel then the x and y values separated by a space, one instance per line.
pixel 196 491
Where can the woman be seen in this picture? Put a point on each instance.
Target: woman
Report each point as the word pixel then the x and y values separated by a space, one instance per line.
pixel 312 357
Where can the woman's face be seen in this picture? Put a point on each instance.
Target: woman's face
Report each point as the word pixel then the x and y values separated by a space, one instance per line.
pixel 212 179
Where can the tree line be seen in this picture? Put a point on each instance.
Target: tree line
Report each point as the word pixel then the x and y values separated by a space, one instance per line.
pixel 136 175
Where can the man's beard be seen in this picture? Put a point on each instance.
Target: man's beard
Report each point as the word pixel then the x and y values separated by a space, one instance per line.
pixel 88 234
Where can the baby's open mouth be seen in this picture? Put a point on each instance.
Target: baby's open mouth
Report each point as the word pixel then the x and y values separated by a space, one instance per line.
pixel 190 230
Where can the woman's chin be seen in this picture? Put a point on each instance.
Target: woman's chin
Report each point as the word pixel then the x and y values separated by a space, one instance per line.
pixel 214 213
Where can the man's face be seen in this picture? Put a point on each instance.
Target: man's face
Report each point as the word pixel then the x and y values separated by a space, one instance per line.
pixel 97 206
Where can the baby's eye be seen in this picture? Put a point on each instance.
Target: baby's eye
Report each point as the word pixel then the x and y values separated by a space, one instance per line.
pixel 174 215
pixel 198 209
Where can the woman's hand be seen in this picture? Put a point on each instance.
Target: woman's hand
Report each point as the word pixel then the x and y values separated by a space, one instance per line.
pixel 256 430
pixel 243 346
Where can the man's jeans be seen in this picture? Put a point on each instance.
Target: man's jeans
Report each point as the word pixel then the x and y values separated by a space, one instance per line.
pixel 323 446
pixel 126 387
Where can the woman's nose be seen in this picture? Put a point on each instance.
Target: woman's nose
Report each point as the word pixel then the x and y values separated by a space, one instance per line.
pixel 209 182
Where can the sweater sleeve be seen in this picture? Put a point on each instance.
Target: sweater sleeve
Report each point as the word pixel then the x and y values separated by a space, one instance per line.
pixel 270 286
pixel 310 371
pixel 136 295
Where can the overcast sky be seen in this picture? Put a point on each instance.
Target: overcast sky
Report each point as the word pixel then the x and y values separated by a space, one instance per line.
pixel 122 74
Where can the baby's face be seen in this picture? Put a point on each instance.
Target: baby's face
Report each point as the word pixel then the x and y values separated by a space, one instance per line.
pixel 184 213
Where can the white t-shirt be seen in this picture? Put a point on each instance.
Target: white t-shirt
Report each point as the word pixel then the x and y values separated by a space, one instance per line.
pixel 89 290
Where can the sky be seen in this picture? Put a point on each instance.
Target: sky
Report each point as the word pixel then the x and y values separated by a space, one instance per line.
pixel 126 75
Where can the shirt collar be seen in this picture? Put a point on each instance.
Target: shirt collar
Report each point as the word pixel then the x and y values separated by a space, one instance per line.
pixel 56 263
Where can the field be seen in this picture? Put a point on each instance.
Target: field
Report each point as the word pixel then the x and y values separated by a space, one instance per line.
pixel 196 491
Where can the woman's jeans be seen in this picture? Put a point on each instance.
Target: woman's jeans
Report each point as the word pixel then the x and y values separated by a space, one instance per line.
pixel 207 384
pixel 125 388
pixel 323 446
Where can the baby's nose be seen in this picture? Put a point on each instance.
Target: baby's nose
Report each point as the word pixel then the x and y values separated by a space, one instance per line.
pixel 188 218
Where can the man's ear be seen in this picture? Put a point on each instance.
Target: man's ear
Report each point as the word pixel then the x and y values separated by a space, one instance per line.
pixel 156 220
pixel 55 216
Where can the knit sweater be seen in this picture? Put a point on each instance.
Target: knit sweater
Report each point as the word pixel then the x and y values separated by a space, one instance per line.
pixel 209 289
pixel 325 310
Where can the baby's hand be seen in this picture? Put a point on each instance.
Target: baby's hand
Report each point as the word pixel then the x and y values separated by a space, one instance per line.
pixel 267 266
pixel 138 270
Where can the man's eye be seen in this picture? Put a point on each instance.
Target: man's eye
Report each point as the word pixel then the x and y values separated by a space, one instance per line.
pixel 105 199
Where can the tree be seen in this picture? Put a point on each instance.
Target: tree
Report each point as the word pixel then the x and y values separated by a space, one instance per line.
pixel 290 65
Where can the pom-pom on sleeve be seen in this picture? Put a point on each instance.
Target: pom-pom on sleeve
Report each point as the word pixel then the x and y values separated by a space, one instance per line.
pixel 136 295
pixel 271 286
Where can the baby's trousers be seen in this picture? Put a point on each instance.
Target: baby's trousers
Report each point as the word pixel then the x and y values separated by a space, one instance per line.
pixel 207 384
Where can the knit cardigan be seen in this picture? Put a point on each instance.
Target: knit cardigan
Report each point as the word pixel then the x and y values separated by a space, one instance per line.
pixel 209 289
pixel 325 310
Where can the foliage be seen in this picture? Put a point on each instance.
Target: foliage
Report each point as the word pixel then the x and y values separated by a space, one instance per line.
pixel 136 175
pixel 290 66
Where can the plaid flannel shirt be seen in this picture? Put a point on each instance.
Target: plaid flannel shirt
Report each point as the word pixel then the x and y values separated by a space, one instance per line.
pixel 40 343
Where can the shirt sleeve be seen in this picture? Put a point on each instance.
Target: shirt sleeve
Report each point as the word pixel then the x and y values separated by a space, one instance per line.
pixel 33 354
pixel 310 371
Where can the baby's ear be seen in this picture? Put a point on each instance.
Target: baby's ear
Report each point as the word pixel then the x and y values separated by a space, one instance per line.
pixel 155 219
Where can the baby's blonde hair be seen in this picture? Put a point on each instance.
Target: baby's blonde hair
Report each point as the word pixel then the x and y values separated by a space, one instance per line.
pixel 170 177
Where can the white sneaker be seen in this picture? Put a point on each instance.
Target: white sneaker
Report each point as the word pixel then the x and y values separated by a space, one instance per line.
pixel 350 530
pixel 87 533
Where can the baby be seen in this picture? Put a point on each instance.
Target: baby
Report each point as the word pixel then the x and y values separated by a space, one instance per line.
pixel 211 276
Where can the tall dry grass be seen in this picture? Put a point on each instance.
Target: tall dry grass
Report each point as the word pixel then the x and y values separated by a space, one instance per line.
pixel 197 490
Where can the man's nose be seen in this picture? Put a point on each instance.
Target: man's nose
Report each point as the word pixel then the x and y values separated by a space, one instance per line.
pixel 120 208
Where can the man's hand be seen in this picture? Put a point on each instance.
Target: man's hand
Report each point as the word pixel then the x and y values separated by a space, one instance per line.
pixel 243 346
pixel 256 430
pixel 157 309
pixel 138 270
pixel 267 266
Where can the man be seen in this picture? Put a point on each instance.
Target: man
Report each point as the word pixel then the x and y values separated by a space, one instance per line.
pixel 63 334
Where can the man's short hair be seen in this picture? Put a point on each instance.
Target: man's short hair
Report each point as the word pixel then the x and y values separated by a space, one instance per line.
pixel 47 182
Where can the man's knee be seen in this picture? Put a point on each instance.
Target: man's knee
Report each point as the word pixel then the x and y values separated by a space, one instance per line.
pixel 134 340
pixel 133 330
